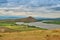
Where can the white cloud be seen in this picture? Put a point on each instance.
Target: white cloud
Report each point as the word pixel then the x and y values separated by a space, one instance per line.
pixel 35 14
pixel 27 10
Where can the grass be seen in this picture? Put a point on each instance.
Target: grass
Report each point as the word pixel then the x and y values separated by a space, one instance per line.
pixel 14 26
pixel 7 23
pixel 25 28
pixel 53 22
pixel 28 32
pixel 32 35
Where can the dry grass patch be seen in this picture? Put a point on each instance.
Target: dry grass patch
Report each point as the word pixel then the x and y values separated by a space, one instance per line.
pixel 32 35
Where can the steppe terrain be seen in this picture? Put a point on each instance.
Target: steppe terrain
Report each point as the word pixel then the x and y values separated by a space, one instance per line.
pixel 32 35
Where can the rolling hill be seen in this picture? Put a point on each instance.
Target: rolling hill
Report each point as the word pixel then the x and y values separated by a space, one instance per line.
pixel 26 19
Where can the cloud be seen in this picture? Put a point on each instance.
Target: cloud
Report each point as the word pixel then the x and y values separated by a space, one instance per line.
pixel 36 8
pixel 46 14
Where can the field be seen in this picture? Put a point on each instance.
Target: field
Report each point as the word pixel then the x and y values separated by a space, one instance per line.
pixel 14 26
pixel 52 22
pixel 26 32
pixel 32 35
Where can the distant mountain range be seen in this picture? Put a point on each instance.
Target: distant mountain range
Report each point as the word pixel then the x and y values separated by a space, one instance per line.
pixel 49 19
pixel 11 17
pixel 41 18
pixel 21 17
pixel 24 18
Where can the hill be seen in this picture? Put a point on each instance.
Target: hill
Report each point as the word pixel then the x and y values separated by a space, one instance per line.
pixel 27 19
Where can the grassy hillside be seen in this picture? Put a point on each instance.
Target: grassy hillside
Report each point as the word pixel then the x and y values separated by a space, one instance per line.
pixel 53 22
pixel 32 35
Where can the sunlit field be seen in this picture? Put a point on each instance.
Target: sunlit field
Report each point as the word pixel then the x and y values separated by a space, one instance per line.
pixel 26 32
pixel 32 35
pixel 29 19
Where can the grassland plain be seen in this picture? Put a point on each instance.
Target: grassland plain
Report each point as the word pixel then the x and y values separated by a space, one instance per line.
pixel 32 35
pixel 52 22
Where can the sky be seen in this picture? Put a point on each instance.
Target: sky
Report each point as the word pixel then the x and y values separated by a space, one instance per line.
pixel 35 8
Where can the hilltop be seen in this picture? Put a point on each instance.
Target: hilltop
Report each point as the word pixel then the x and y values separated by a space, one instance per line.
pixel 27 19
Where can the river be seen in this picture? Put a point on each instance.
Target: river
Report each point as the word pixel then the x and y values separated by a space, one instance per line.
pixel 41 25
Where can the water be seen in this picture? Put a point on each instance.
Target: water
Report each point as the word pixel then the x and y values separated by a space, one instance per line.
pixel 41 25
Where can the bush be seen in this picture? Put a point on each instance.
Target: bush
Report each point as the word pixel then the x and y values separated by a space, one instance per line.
pixel 0 35
pixel 32 26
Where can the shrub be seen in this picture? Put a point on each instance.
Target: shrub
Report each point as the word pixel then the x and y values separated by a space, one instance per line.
pixel 0 35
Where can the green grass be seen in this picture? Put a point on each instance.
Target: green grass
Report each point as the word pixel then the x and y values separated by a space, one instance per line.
pixel 53 22
pixel 7 23
pixel 14 26
pixel 25 28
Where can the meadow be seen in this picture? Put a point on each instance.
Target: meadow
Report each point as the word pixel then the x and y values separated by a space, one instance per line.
pixel 52 22
pixel 14 26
